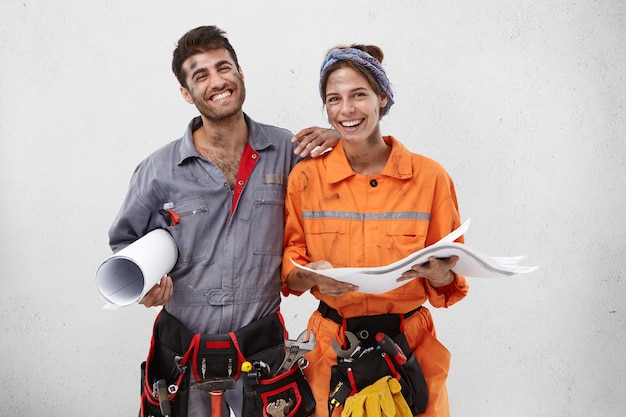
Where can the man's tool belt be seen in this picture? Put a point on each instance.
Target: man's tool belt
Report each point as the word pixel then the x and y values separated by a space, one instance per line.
pixel 285 395
pixel 176 351
pixel 350 376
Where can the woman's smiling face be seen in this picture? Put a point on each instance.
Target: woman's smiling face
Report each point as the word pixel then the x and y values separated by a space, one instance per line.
pixel 353 107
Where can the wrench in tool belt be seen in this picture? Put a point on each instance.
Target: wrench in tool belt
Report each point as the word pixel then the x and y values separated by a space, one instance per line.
pixel 279 408
pixel 296 350
pixel 353 346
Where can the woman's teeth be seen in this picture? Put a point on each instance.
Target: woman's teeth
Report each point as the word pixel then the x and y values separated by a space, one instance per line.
pixel 351 123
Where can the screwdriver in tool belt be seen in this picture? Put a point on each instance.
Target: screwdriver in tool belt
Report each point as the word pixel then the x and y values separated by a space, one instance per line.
pixel 390 348
pixel 162 393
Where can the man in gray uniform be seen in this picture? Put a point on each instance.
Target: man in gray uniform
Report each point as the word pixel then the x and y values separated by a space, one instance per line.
pixel 219 190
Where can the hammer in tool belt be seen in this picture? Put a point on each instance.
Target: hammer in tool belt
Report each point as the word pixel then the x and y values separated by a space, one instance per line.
pixel 216 386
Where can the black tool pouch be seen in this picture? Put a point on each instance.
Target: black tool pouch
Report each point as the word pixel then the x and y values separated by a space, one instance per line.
pixel 376 364
pixel 170 351
pixel 263 340
pixel 287 394
pixel 260 341
pixel 215 357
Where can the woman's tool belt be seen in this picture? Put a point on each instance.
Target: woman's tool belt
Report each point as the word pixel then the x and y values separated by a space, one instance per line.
pixel 176 352
pixel 382 350
pixel 366 327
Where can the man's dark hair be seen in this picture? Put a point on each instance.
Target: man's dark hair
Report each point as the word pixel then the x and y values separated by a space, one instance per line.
pixel 198 40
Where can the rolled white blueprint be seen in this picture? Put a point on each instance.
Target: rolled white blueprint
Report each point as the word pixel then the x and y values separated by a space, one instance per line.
pixel 127 275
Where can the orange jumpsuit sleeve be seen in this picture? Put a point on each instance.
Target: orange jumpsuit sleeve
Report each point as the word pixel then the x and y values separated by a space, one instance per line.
pixel 445 217
pixel 294 239
pixel 449 294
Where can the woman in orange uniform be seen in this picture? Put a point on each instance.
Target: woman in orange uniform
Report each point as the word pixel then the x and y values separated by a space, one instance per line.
pixel 369 202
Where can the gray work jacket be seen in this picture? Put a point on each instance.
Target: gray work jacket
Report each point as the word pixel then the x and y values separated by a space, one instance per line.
pixel 228 269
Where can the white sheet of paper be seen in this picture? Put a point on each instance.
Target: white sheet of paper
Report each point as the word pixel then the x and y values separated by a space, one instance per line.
pixel 470 264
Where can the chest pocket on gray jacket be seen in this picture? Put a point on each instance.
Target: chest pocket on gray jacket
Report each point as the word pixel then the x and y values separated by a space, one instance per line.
pixel 192 232
pixel 268 220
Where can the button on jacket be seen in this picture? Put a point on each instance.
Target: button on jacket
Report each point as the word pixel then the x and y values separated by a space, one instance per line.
pixel 229 241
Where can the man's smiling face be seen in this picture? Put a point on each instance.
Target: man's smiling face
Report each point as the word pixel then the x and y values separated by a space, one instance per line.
pixel 214 84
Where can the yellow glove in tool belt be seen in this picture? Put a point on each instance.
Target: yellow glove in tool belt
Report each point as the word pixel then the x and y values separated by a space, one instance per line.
pixel 381 399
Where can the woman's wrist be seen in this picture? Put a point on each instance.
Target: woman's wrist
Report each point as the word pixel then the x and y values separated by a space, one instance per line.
pixel 449 280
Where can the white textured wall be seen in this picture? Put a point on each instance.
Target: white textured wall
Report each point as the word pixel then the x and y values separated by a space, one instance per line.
pixel 522 101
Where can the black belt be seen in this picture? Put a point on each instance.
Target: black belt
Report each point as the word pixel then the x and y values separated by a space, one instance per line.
pixel 366 327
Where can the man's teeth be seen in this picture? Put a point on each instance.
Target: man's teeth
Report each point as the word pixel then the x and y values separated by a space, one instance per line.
pixel 351 123
pixel 220 96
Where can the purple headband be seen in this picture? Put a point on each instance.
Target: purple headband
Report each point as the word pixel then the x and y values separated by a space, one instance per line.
pixel 365 60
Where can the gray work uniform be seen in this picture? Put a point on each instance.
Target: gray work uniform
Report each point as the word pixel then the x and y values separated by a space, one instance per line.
pixel 228 270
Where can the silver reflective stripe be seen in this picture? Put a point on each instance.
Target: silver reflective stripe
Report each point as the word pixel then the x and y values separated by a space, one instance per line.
pixel 350 215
